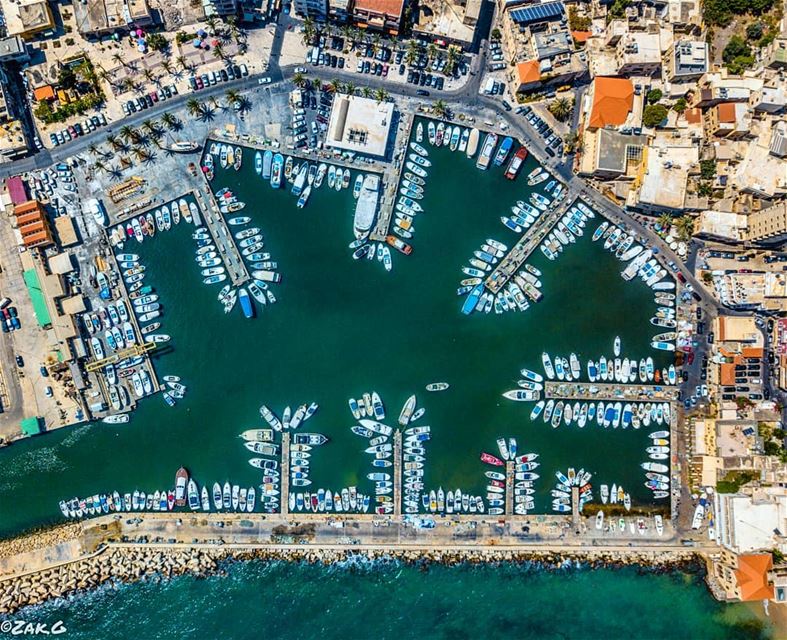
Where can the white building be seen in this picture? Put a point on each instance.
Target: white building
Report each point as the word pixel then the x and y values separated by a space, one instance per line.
pixel 360 125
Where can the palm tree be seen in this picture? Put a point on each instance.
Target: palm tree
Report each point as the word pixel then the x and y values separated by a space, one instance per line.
pixel 113 142
pixel 349 88
pixel 665 221
pixel 451 58
pixel 561 108
pixel 232 96
pixel 376 42
pixel 431 51
pixel 100 166
pixel 170 121
pixel 334 85
pixel 93 149
pixel 151 126
pixel 440 108
pixel 685 226
pixel 167 66
pixel 413 49
pixel 118 57
pixel 366 92
pixel 211 22
pixel 308 30
pixel 141 154
pixel 299 79
pixel 148 75
pixel 127 132
pixel 381 95
pixel 183 62
pixel 218 52
pixel 194 107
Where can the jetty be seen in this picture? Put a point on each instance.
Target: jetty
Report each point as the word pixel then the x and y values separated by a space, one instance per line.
pixel 222 237
pixel 397 474
pixel 610 391
pixel 510 468
pixel 531 239
pixel 285 474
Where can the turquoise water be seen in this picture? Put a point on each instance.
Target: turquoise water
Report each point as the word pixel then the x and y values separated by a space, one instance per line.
pixel 361 600
pixel 341 328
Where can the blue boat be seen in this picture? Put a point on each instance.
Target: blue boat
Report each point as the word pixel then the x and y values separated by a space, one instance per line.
pixel 504 150
pixel 472 299
pixel 267 163
pixel 245 303
pixel 277 171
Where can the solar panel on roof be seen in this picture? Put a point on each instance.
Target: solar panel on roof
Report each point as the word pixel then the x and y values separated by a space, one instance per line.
pixel 537 12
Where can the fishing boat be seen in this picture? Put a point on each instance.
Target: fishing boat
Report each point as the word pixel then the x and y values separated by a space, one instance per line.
pixel 516 163
pixel 277 170
pixel 503 151
pixel 437 386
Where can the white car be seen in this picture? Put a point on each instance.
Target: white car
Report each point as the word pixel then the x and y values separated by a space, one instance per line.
pixel 300 69
pixel 265 80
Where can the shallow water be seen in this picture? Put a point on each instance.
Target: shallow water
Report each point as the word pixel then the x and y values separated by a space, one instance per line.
pixel 390 600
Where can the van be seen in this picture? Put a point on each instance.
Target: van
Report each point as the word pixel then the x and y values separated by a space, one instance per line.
pixel 5 302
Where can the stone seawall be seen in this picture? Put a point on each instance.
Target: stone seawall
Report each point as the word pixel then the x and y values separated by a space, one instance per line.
pixel 137 562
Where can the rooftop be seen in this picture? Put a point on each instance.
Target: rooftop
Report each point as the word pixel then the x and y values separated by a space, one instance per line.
pixel 447 20
pixel 26 17
pixel 691 57
pixel 666 176
pixel 386 7
pixel 613 99
pixel 723 224
pixel 532 13
pixel 752 576
pixel 361 125
pixel 527 72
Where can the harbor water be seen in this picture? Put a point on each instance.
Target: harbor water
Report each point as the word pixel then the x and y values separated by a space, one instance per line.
pixel 341 328
pixel 361 600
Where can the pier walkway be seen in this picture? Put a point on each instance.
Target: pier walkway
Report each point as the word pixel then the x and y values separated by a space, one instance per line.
pixel 510 487
pixel 285 474
pixel 576 519
pixel 397 474
pixel 610 391
pixel 222 237
pixel 527 244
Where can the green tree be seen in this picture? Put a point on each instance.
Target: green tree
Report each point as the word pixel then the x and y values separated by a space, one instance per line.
pixel 618 8
pixel 66 77
pixel 169 120
pixel 232 96
pixel 157 42
pixel 685 227
pixel 680 105
pixel 707 169
pixel 561 108
pixel 665 221
pixel 755 31
pixel 299 79
pixel 496 35
pixel 654 115
pixel 440 108
pixel 194 107
pixel 654 95
pixel 737 55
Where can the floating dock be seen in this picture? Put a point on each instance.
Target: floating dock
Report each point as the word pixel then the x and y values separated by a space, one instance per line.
pixel 610 391
pixel 397 474
pixel 510 468
pixel 530 240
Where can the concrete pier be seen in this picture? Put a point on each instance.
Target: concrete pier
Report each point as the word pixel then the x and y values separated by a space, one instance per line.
pixel 529 241
pixel 391 177
pixel 510 468
pixel 610 391
pixel 285 474
pixel 397 474
pixel 575 517
pixel 222 237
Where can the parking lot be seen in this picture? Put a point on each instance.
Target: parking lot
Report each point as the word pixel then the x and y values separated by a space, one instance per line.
pixel 389 61
pixel 553 142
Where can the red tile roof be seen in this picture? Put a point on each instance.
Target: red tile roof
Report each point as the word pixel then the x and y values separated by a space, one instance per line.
pixel 612 101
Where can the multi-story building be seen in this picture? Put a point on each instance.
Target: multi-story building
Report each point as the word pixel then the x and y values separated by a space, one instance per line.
pixel 379 15
pixel 96 18
pixel 33 225
pixel 220 7
pixel 728 120
pixel 686 60
pixel 317 9
pixel 27 18
pixel 769 226
pixel 340 10
pixel 638 53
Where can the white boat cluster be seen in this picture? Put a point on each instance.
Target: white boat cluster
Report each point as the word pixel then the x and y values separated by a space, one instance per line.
pixel 642 263
pixel 146 225
pixel 567 230
pixel 524 214
pixel 523 480
pixel 561 494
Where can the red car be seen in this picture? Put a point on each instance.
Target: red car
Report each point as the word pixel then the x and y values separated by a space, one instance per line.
pixel 691 357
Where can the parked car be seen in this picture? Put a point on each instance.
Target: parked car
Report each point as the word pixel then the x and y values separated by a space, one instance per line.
pixel 20 361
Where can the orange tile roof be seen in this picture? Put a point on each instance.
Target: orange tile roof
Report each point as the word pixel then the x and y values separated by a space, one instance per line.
pixel 693 116
pixel 726 112
pixel 752 576
pixel 47 92
pixel 387 7
pixel 528 72
pixel 752 352
pixel 581 36
pixel 612 101
pixel 727 373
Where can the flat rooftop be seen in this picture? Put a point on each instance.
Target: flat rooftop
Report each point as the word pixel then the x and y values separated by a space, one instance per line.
pixel 446 20
pixel 665 180
pixel 361 125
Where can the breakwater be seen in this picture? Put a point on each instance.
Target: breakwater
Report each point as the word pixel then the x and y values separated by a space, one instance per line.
pixel 131 563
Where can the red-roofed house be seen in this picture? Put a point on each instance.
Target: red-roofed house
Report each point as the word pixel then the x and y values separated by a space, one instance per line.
pixel 527 75
pixel 381 15
pixel 613 99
